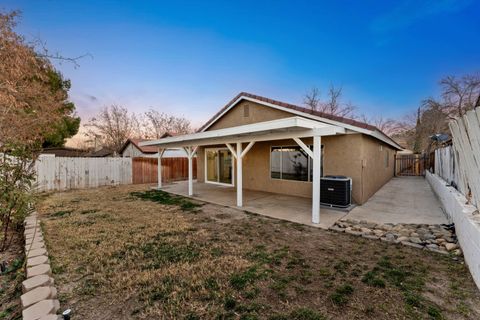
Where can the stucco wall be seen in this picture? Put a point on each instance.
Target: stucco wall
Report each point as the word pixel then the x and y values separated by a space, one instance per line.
pixel 256 113
pixel 375 172
pixel 355 155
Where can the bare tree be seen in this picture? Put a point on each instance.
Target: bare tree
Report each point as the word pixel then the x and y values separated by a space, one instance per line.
pixel 389 126
pixel 113 125
pixel 156 124
pixel 312 99
pixel 460 94
pixel 333 105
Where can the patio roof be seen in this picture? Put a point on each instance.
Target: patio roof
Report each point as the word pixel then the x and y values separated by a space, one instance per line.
pixel 286 128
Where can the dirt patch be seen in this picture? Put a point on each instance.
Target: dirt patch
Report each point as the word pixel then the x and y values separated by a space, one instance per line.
pixel 12 274
pixel 117 253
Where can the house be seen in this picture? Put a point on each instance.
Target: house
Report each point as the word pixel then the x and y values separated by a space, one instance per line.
pixel 102 153
pixel 132 148
pixel 64 152
pixel 262 144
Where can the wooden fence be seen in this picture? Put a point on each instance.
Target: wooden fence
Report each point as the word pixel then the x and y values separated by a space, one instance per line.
pixel 63 173
pixel 411 164
pixel 466 155
pixel 145 170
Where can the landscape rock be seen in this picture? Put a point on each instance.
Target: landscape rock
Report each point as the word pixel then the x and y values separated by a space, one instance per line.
pixel 451 246
pixel 401 239
pixel 35 245
pixel 37 281
pixel 37 260
pixel 415 240
pixel 38 270
pixel 337 228
pixel 414 245
pixel 40 309
pixel 369 236
pixel 38 294
pixel 36 252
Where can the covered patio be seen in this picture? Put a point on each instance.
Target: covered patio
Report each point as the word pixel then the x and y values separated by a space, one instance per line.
pixel 279 206
pixel 239 140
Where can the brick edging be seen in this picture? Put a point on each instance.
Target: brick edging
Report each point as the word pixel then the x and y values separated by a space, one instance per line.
pixel 39 298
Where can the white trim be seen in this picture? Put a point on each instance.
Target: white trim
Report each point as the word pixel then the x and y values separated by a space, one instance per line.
pixel 248 147
pixel 317 165
pixel 304 147
pixel 239 175
pixel 279 129
pixel 374 133
pixel 218 175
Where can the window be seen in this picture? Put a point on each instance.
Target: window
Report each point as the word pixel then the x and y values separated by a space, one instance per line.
pixel 387 159
pixel 291 163
pixel 219 166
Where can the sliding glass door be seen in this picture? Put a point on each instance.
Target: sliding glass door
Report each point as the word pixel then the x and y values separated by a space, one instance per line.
pixel 219 166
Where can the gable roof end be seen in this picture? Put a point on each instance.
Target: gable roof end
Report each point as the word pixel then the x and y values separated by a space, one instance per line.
pixel 313 114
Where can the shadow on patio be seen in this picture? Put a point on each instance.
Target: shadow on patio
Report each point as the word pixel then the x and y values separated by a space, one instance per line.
pixel 279 206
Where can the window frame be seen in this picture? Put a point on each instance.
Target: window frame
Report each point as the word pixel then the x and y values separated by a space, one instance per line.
pixel 233 168
pixel 309 180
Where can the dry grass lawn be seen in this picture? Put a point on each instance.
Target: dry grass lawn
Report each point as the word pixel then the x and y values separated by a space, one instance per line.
pixel 118 256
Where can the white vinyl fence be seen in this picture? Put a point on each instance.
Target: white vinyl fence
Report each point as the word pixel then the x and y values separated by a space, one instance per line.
pixel 62 173
pixel 456 182
pixel 466 149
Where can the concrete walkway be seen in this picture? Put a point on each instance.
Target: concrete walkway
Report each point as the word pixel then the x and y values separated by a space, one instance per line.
pixel 402 200
pixel 279 206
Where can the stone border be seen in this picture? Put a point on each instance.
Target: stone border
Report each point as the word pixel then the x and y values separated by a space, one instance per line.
pixel 434 238
pixel 466 218
pixel 39 299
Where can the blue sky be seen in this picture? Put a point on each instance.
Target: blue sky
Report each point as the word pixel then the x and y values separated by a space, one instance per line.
pixel 190 58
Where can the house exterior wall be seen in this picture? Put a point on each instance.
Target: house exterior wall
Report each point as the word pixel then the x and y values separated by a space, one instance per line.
pixel 131 151
pixel 355 155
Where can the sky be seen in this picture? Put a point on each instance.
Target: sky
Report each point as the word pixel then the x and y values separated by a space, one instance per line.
pixel 189 58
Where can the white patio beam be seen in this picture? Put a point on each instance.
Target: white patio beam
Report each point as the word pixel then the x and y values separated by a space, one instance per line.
pixel 159 167
pixel 246 138
pixel 317 164
pixel 232 150
pixel 304 147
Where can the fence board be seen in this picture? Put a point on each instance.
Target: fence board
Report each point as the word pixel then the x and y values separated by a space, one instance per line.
pixel 459 164
pixel 63 173
pixel 144 170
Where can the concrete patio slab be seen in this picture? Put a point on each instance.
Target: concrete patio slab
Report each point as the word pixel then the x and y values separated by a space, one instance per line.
pixel 402 200
pixel 290 208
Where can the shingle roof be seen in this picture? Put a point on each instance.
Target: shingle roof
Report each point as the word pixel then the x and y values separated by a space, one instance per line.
pixel 351 122
pixel 136 143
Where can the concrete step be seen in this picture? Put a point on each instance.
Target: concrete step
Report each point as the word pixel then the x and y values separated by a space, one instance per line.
pixel 41 309
pixel 36 281
pixel 36 295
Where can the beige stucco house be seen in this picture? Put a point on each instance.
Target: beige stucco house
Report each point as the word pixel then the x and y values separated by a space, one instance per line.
pixel 261 144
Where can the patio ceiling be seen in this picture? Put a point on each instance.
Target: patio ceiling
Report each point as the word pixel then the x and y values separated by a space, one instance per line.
pixel 286 128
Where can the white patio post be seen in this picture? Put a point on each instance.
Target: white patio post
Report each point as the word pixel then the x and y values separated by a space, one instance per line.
pixel 190 153
pixel 159 167
pixel 239 175
pixel 317 163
